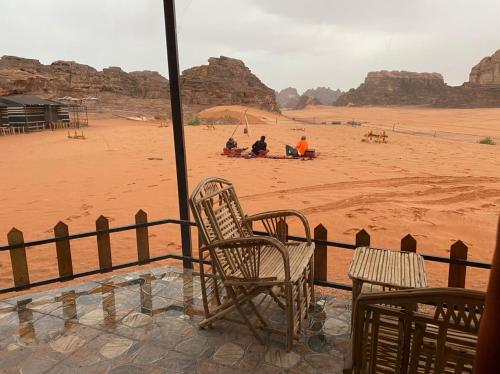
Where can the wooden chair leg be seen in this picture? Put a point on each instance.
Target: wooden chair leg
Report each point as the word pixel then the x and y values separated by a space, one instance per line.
pixel 277 299
pixel 297 290
pixel 257 313
pixel 245 318
pixel 311 281
pixel 289 317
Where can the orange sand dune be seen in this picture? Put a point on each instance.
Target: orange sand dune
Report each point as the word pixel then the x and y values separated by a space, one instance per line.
pixel 439 190
pixel 236 112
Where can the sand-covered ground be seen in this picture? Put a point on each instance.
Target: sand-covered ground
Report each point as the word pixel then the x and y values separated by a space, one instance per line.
pixel 438 189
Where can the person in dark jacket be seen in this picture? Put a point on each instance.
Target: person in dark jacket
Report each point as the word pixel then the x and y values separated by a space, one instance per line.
pixel 231 143
pixel 259 145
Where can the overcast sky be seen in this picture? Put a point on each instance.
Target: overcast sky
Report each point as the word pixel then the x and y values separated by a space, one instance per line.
pixel 284 42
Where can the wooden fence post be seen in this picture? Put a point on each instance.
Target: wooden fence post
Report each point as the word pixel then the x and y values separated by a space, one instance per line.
pixel 282 230
pixel 103 243
pixel 408 244
pixel 456 275
pixel 63 249
pixel 18 258
pixel 320 254
pixel 362 238
pixel 142 236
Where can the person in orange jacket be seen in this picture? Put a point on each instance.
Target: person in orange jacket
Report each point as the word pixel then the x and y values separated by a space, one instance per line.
pixel 299 150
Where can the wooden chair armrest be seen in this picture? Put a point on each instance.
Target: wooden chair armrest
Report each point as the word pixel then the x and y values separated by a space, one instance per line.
pixel 282 213
pixel 253 241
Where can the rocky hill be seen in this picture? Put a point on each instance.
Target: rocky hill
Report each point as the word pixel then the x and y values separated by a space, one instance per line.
pixel 396 88
pixel 287 98
pixel 225 81
pixel 486 73
pixel 408 88
pixel 305 101
pixel 68 78
pixel 325 95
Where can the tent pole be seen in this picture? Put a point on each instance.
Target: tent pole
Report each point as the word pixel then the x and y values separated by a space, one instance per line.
pixel 179 143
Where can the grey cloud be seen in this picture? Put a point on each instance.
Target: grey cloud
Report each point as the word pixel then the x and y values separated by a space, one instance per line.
pixel 298 43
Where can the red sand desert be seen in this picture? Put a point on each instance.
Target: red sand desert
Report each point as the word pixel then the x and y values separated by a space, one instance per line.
pixel 439 189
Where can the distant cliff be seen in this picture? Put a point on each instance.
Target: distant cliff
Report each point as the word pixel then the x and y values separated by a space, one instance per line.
pixel 395 88
pixel 224 81
pixel 62 78
pixel 324 95
pixel 487 72
pixel 287 98
pixel 409 88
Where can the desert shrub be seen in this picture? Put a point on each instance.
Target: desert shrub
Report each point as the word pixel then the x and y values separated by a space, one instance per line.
pixel 194 121
pixel 488 140
pixel 160 117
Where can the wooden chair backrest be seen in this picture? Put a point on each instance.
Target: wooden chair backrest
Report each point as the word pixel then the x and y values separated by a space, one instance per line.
pixel 217 211
pixel 392 334
pixel 218 215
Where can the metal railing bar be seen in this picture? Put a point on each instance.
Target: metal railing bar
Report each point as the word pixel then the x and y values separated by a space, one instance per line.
pixel 87 234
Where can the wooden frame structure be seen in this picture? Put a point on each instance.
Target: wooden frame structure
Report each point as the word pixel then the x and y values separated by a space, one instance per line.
pixel 23 113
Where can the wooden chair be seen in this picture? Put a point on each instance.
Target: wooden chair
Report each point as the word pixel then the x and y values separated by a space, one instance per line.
pixel 246 265
pixel 417 331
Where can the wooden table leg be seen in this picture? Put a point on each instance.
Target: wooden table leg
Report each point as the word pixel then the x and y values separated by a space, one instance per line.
pixel 357 285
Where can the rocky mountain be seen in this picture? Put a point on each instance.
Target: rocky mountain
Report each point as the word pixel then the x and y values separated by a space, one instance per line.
pixel 408 88
pixel 325 95
pixel 486 73
pixel 68 78
pixel 396 88
pixel 226 81
pixel 306 100
pixel 287 98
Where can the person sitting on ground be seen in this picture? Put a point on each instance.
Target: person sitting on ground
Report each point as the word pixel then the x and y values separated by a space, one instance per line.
pixel 231 143
pixel 259 145
pixel 299 150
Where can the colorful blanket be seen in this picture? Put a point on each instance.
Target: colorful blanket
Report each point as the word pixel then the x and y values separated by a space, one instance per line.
pixel 238 152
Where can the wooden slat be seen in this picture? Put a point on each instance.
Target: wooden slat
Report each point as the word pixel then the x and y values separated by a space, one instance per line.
pixel 63 249
pixel 456 275
pixel 142 236
pixel 320 254
pixel 103 243
pixel 18 258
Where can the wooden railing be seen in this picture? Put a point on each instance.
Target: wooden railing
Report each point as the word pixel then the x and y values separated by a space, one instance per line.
pixel 62 240
pixel 458 262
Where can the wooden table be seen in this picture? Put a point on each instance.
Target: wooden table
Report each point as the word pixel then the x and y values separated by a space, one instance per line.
pixel 386 268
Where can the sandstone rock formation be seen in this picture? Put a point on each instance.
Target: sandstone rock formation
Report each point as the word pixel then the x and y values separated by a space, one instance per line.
pixel 487 72
pixel 305 101
pixel 288 98
pixel 396 88
pixel 325 95
pixel 225 81
pixel 68 78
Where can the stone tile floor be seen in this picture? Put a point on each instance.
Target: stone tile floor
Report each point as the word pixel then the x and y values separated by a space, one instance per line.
pixel 147 322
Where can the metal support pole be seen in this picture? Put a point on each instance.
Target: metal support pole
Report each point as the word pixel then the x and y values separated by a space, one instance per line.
pixel 180 149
